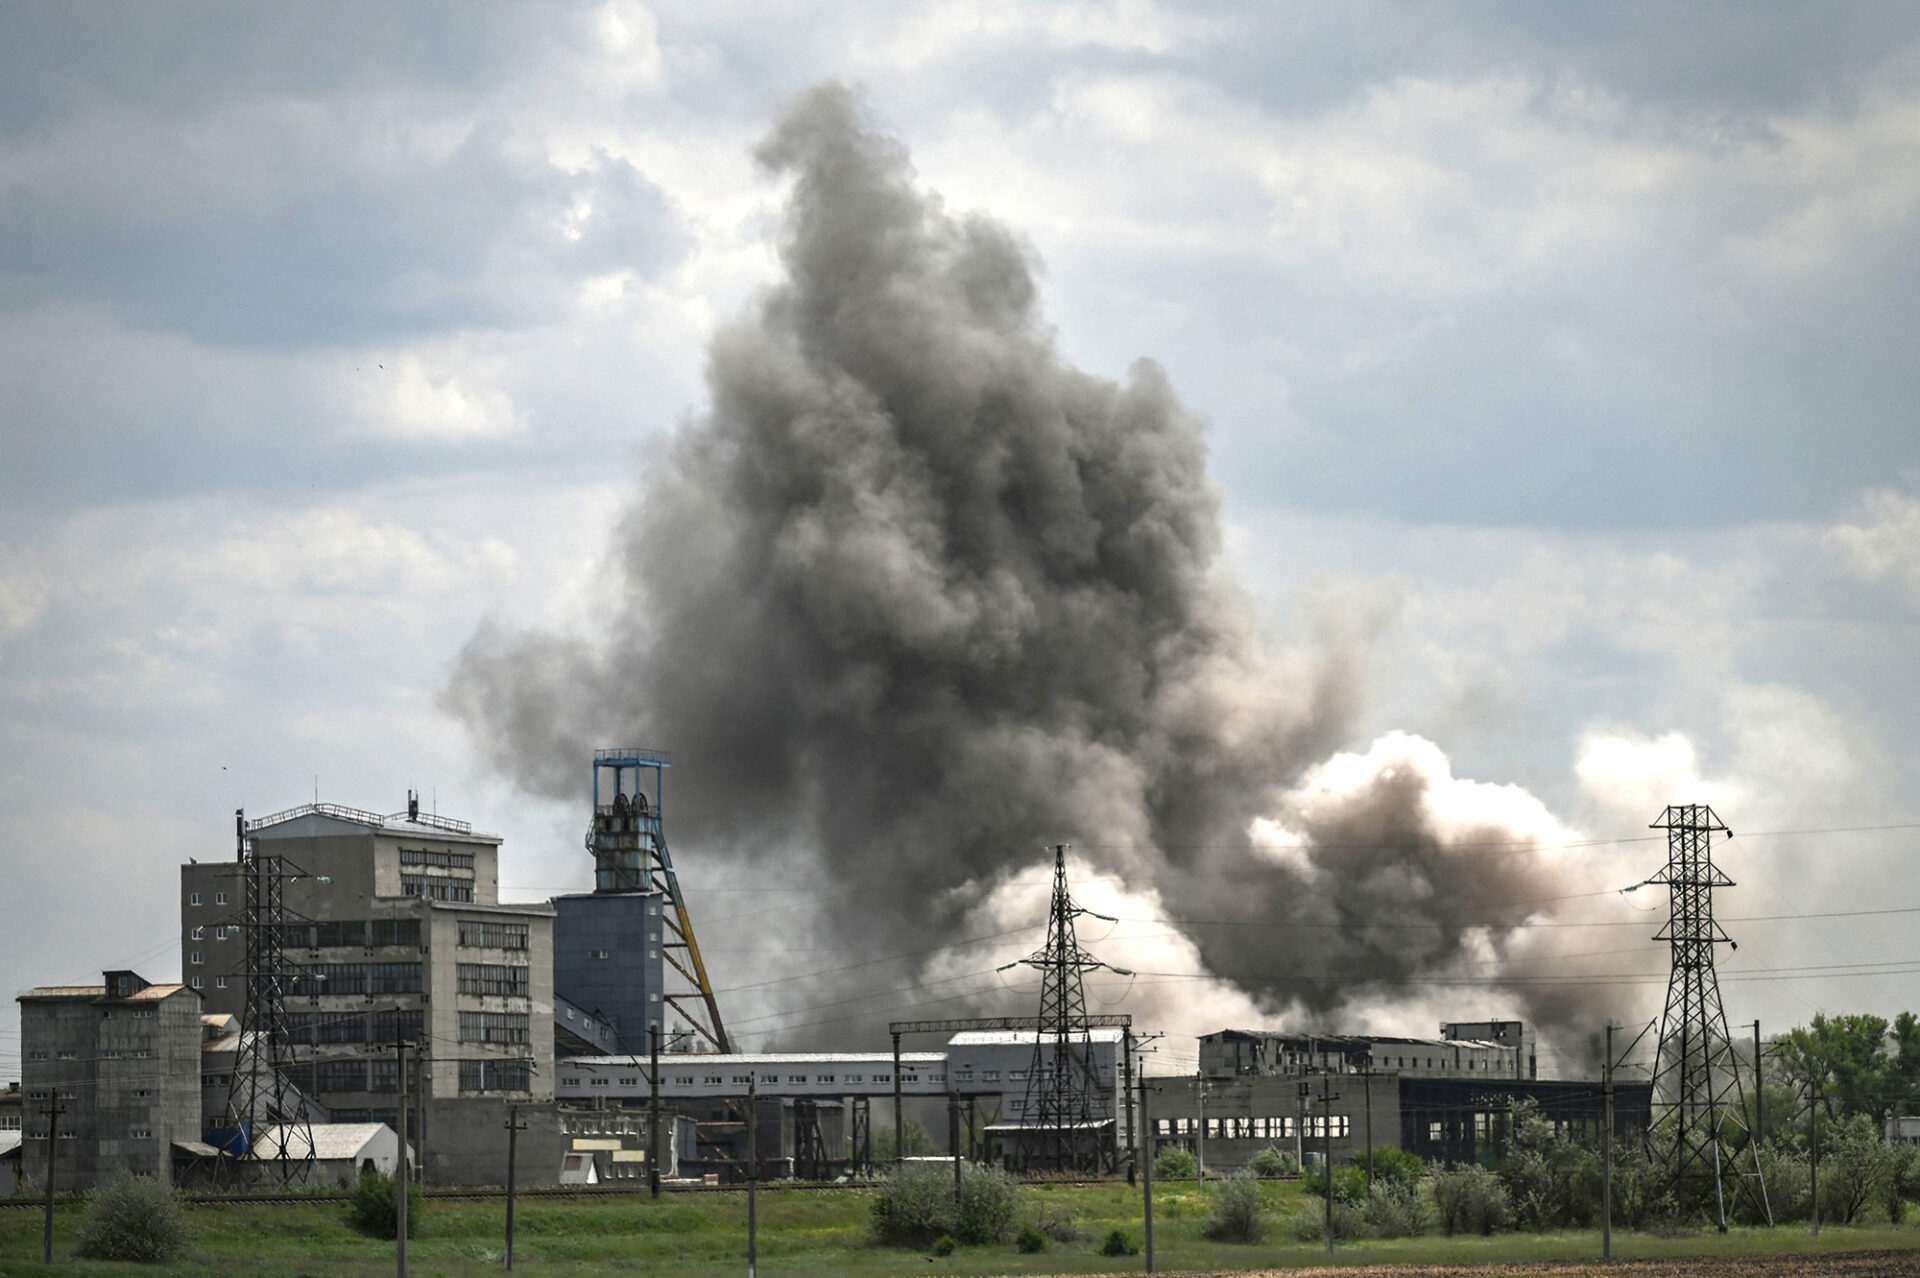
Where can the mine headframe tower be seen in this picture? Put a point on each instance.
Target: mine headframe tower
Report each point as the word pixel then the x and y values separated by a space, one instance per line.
pixel 629 844
pixel 269 1131
pixel 1068 1107
pixel 1699 1102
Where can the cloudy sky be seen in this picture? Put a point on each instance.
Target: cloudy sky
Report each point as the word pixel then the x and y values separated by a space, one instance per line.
pixel 1556 353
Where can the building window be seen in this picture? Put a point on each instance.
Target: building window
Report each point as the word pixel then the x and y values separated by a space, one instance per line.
pixel 599 954
pixel 497 1076
pixel 219 898
pixel 219 982
pixel 494 979
pixel 630 1082
pixel 597 1082
pixel 198 958
pixel 437 889
pixel 486 934
pixel 220 932
pixel 193 898
pixel 1435 1132
pixel 494 1027
pixel 199 933
pixel 199 982
pixel 140 1133
pixel 439 860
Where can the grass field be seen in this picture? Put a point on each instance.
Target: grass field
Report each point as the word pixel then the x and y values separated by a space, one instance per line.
pixel 825 1233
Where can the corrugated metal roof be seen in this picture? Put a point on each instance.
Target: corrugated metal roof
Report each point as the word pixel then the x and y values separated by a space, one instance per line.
pixel 331 1141
pixel 152 993
pixel 1016 1038
pixel 64 991
pixel 699 1061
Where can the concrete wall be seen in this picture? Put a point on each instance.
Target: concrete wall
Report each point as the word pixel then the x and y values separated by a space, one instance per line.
pixel 466 1143
pixel 1287 1121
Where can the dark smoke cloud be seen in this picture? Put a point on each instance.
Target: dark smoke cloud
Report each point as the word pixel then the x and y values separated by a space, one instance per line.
pixel 917 596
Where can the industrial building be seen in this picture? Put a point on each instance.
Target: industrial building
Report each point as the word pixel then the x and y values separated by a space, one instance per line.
pixel 395 932
pixel 120 1063
pixel 1467 1049
pixel 1446 1119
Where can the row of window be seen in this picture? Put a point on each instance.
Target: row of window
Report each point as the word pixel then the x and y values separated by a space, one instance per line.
pixel 744 1080
pixel 440 860
pixel 1271 1127
pixel 488 934
pixel 496 1076
pixel 436 889
pixel 361 932
pixel 355 978
pixel 345 1076
pixel 131 1013
pixel 219 898
pixel 497 979
pixel 494 1027
pixel 220 932
pixel 383 1026
pixel 200 982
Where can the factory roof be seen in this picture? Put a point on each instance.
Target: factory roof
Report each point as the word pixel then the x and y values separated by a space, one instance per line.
pixel 313 818
pixel 699 1059
pixel 1018 1038
pixel 151 994
pixel 331 1141
pixel 1338 1040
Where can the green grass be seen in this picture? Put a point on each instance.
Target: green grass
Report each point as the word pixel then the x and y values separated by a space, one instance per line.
pixel 825 1233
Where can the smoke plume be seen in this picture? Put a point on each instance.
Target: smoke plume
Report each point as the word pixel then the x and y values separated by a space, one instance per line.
pixel 916 597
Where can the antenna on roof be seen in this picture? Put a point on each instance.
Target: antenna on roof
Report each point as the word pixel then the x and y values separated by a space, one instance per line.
pixel 413 805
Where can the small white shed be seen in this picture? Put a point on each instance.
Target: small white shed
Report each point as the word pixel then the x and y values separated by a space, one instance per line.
pixel 341 1151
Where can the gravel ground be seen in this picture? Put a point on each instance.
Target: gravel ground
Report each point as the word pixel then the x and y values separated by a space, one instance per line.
pixel 1862 1264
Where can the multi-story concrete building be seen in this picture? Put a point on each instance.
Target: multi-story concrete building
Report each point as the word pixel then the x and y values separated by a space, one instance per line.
pixel 121 1061
pixel 606 961
pixel 398 934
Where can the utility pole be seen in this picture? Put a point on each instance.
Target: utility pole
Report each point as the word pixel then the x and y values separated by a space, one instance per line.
pixel 1327 1097
pixel 400 1176
pixel 753 1178
pixel 899 1131
pixel 514 1128
pixel 1759 1091
pixel 653 1109
pixel 1126 1090
pixel 953 1142
pixel 1606 1152
pixel 1366 1086
pixel 1302 1106
pixel 1200 1135
pixel 1813 1161
pixel 53 1111
pixel 1146 1171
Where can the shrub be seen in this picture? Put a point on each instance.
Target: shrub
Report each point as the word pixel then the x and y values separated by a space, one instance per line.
pixel 1236 1210
pixel 1270 1163
pixel 1175 1163
pixel 944 1245
pixel 1349 1184
pixel 132 1218
pixel 1856 1169
pixel 1030 1240
pixel 1119 1243
pixel 1470 1200
pixel 372 1211
pixel 1395 1167
pixel 1393 1212
pixel 914 1206
pixel 1347 1223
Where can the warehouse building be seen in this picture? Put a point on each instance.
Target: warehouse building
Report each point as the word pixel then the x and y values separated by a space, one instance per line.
pixel 1483 1049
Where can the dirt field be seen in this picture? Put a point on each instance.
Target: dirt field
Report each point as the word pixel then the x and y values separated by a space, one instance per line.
pixel 1864 1264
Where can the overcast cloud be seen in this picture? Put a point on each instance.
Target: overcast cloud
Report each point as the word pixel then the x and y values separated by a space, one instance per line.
pixel 1567 355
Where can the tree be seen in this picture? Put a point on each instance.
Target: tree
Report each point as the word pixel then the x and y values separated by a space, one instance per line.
pixel 1845 1057
pixel 1856 1168
pixel 919 1144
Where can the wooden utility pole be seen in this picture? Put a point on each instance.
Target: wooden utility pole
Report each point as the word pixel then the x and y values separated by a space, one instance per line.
pixel 1126 1090
pixel 1759 1091
pixel 1606 1151
pixel 514 1128
pixel 653 1110
pixel 400 1169
pixel 1146 1171
pixel 1200 1133
pixel 53 1111
pixel 753 1179
pixel 953 1142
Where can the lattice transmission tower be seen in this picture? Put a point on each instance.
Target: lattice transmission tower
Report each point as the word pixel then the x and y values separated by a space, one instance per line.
pixel 1700 1126
pixel 269 1132
pixel 1068 1106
